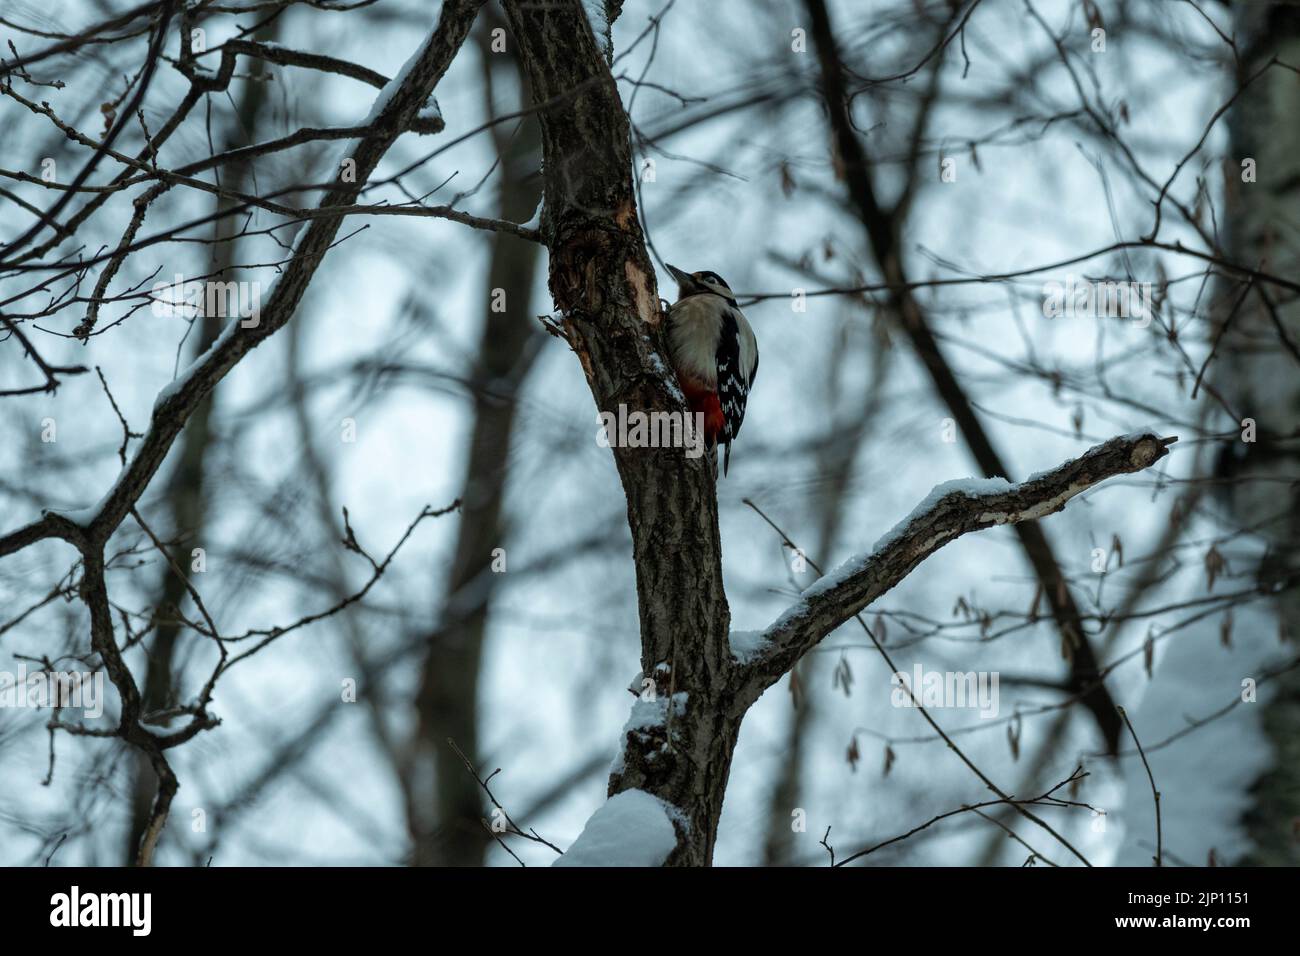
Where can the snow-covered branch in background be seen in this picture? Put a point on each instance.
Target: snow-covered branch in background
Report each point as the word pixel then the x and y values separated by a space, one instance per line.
pixel 950 510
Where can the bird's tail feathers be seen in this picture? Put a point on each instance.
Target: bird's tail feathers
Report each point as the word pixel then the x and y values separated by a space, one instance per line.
pixel 712 449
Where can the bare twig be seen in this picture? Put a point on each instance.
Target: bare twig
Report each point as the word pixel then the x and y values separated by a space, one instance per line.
pixel 1159 857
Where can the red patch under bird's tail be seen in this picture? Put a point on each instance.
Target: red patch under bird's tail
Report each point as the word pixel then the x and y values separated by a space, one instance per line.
pixel 704 401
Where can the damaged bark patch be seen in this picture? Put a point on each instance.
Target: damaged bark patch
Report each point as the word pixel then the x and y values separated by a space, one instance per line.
pixel 643 296
pixel 575 273
pixel 625 217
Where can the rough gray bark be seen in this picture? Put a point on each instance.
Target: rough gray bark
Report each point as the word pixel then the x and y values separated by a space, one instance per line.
pixel 604 287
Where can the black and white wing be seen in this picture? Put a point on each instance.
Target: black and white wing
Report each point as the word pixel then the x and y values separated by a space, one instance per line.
pixel 737 360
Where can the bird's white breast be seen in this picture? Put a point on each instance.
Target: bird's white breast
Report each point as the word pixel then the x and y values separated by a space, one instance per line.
pixel 696 324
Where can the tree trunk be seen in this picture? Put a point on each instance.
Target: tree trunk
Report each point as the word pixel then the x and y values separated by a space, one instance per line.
pixel 1264 230
pixel 450 832
pixel 604 286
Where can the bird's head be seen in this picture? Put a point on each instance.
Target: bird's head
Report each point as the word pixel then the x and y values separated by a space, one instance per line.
pixel 694 283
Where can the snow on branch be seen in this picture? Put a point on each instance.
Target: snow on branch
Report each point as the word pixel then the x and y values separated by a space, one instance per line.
pixel 952 509
pixel 632 828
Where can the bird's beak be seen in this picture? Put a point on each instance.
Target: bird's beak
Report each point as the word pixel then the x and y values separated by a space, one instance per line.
pixel 684 279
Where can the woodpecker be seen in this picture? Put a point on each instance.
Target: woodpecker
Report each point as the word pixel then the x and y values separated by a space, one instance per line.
pixel 715 355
